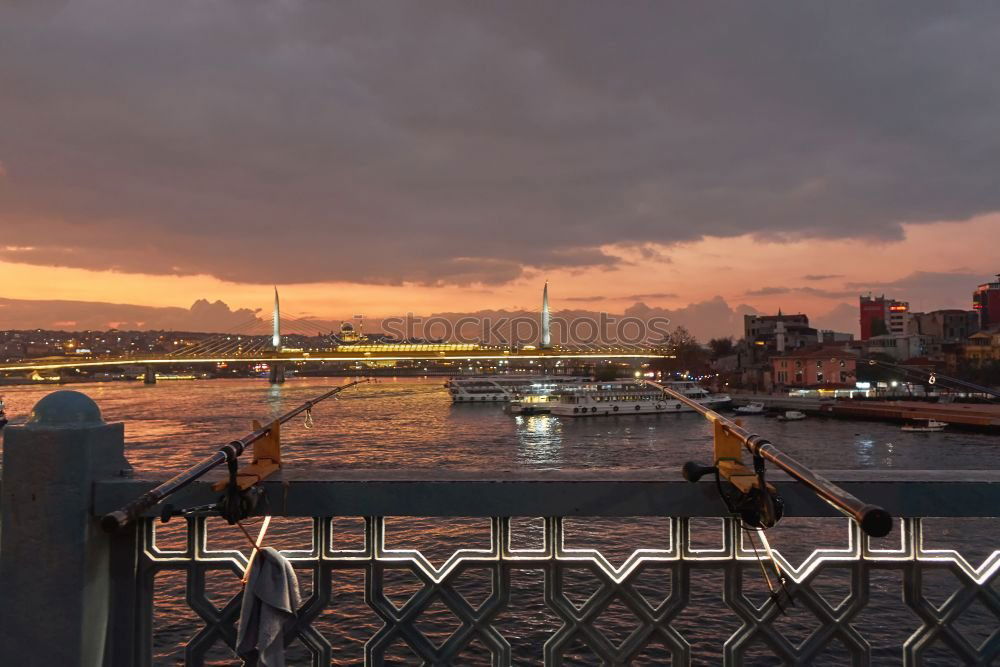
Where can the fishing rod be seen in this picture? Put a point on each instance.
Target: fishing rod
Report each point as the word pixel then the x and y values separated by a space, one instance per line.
pixel 758 502
pixel 240 495
pixel 934 377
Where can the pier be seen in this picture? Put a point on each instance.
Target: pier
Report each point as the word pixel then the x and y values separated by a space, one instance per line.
pixel 980 416
pixel 62 576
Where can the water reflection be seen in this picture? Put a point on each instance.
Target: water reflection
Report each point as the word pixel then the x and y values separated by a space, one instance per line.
pixel 865 447
pixel 274 398
pixel 539 440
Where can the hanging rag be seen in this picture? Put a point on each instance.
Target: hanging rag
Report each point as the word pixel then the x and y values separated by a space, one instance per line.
pixel 270 600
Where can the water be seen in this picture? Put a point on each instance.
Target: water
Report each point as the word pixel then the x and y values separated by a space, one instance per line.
pixel 409 423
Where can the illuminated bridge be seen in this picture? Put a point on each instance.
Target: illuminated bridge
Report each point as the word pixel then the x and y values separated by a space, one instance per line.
pixel 269 349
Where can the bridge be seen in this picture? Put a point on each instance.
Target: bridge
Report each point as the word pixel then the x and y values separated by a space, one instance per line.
pixel 269 349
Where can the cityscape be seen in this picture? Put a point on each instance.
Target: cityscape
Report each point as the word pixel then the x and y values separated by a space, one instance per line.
pixel 491 334
pixel 772 353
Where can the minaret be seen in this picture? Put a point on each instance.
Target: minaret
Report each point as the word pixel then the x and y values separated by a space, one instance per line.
pixel 546 337
pixel 276 320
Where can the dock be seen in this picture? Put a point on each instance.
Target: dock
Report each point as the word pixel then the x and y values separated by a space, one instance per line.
pixel 983 416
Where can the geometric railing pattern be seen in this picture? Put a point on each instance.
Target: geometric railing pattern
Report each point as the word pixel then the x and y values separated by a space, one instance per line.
pixel 579 621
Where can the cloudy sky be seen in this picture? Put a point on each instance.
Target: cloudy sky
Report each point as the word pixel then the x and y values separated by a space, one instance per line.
pixel 385 157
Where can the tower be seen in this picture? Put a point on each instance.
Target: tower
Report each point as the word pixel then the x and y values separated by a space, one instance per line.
pixel 276 321
pixel 546 337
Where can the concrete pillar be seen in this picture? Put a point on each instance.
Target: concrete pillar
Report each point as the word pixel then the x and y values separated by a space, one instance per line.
pixel 150 377
pixel 54 558
pixel 277 373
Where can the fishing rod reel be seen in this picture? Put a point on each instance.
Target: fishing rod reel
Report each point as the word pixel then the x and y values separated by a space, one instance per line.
pixel 750 497
pixel 236 504
pixel 759 507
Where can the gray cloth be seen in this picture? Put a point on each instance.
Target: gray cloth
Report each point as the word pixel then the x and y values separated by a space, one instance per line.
pixel 270 601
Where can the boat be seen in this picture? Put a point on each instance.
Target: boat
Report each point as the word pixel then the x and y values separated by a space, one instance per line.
pixel 699 394
pixel 791 416
pixel 625 397
pixel 535 399
pixel 750 409
pixel 500 388
pixel 530 404
pixel 3 416
pixel 924 426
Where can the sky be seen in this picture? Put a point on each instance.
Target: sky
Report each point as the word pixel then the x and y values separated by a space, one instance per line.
pixel 166 164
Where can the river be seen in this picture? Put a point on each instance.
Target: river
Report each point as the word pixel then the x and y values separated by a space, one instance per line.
pixel 410 423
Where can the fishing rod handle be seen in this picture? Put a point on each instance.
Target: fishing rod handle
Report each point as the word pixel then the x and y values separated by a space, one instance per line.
pixel 874 520
pixel 115 521
pixel 118 519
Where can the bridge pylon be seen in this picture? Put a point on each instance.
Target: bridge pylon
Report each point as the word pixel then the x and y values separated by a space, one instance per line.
pixel 276 374
pixel 276 323
pixel 546 337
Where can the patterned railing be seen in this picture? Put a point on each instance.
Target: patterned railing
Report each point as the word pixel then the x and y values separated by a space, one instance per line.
pixel 616 618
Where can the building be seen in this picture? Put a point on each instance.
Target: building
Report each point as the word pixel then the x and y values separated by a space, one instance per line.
pixel 830 337
pixel 986 301
pixel 880 316
pixel 901 348
pixel 349 335
pixel 778 333
pixel 948 326
pixel 815 367
pixel 983 348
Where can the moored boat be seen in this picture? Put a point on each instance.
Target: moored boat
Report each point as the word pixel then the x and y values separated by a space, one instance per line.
pixel 500 388
pixel 753 408
pixel 623 397
pixel 924 426
pixel 533 400
pixel 791 416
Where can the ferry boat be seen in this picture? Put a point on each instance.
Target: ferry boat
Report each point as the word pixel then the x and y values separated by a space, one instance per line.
pixel 623 397
pixel 501 388
pixel 534 400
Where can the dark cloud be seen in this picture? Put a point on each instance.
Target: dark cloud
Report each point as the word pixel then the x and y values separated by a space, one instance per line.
pixel 929 290
pixel 454 142
pixel 203 315
pixel 811 291
pixel 651 295
pixel 707 319
pixel 822 276
pixel 842 317
pixel 629 297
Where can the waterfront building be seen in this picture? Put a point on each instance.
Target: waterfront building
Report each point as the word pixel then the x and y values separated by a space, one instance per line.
pixel 902 348
pixel 982 348
pixel 778 333
pixel 880 316
pixel 821 366
pixel 986 301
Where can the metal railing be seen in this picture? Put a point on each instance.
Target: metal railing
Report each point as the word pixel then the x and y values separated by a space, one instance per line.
pixel 678 553
pixel 73 594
